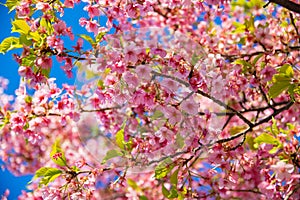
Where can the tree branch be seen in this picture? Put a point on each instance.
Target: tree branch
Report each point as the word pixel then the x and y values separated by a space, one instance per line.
pixel 288 5
pixel 217 101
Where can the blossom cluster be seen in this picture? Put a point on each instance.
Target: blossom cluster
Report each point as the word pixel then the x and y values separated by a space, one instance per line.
pixel 168 102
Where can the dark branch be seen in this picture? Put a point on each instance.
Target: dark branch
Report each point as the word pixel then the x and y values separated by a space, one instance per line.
pixel 237 56
pixel 217 101
pixel 288 5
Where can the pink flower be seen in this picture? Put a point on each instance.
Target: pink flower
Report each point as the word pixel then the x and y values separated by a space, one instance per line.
pixel 130 79
pixel 78 46
pixel 189 106
pixel 60 28
pixel 44 62
pixel 92 10
pixel 282 170
pixel 158 51
pixel 23 9
pixel 164 134
pixel 173 115
pixel 69 3
pixel 143 72
pixel 92 26
pixel 267 188
pixel 131 54
pixel 170 85
pixel 43 6
pixel 56 43
pixel 268 73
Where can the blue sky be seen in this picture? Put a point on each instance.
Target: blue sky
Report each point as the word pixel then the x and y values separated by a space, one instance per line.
pixel 9 70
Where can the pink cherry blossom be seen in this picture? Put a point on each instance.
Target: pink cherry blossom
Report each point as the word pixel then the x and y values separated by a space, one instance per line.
pixel 164 134
pixel 60 28
pixel 131 54
pixel 169 85
pixel 92 10
pixel 282 170
pixel 177 94
pixel 44 62
pixel 189 106
pixel 173 115
pixel 143 72
pixel 268 73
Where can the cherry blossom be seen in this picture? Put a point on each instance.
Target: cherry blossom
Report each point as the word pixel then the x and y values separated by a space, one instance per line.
pixel 172 100
pixel 282 170
pixel 189 106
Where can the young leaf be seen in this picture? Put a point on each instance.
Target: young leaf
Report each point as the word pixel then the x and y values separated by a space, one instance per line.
pixel 100 36
pixel 120 139
pixel 274 127
pixel 11 4
pixel 20 26
pixel 10 43
pixel 23 40
pixel 111 154
pixel 164 191
pixel 163 168
pixel 173 193
pixel 87 38
pixel 287 70
pixel 47 25
pixel 256 59
pixel 143 198
pixel 57 155
pixel 278 87
pixel 157 114
pixel 48 174
pixel 174 178
pixel 266 138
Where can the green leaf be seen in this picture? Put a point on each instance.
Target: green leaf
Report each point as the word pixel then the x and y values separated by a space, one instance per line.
pixel 120 138
pixel 239 27
pixel 250 24
pixel 169 194
pixel 174 178
pixel 29 60
pixel 23 40
pixel 132 184
pixel 195 59
pixel 268 139
pixel 246 65
pixel 163 168
pixel 274 127
pixel 11 4
pixel 278 87
pixel 237 129
pixel 111 154
pixel 287 70
pixel 46 25
pixel 9 43
pixel 57 155
pixel 143 198
pixel 164 191
pixel 46 72
pixel 35 36
pixel 20 26
pixel 100 36
pixel 48 174
pixel 173 193
pixel 256 59
pixel 87 38
pixel 250 142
